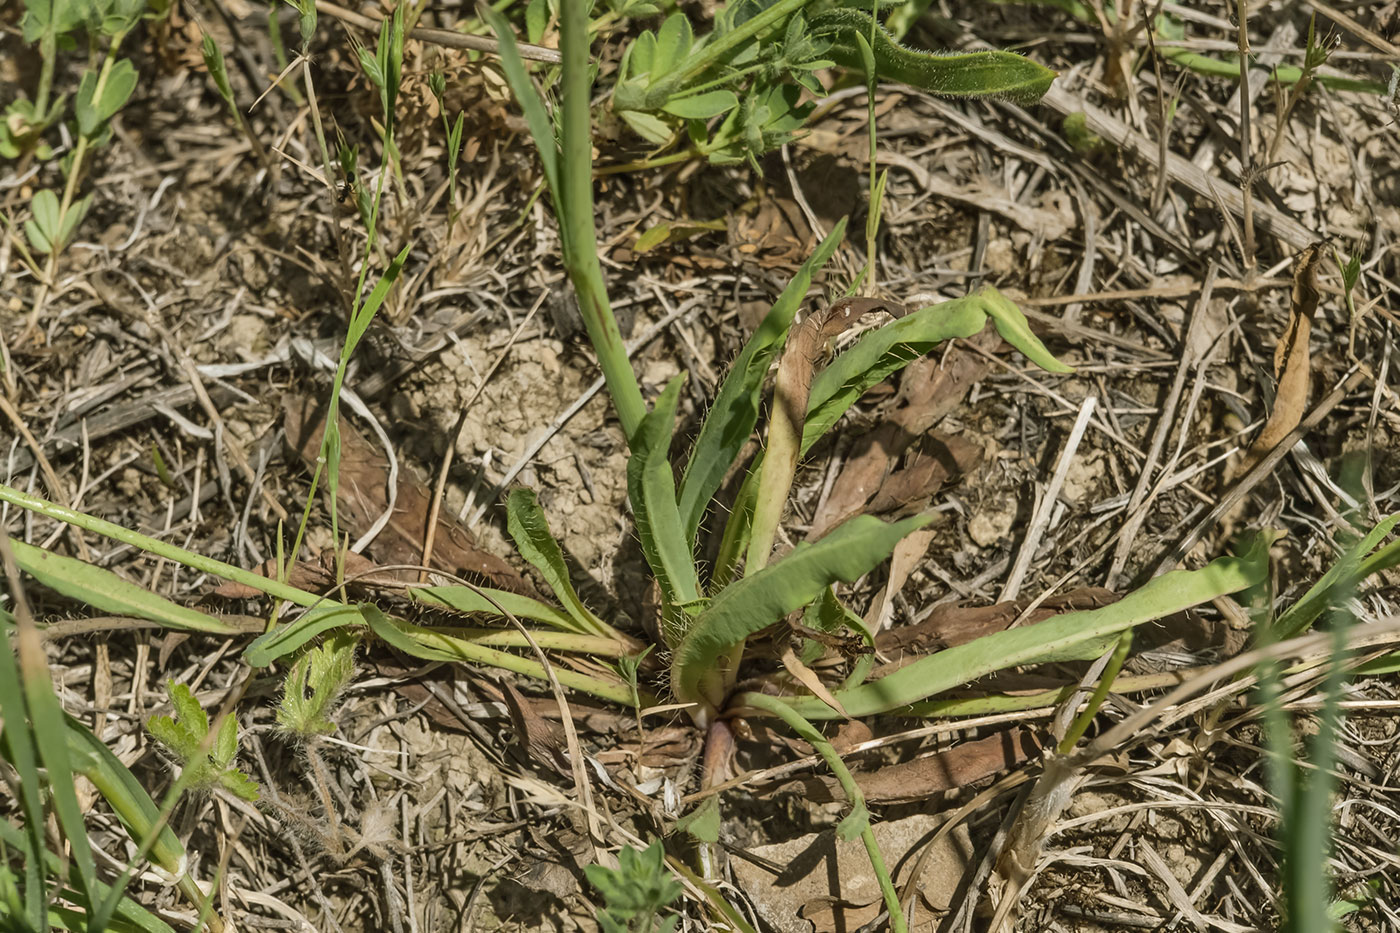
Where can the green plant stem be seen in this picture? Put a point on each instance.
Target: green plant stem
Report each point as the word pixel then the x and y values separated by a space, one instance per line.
pixel 1091 709
pixel 576 219
pixel 848 783
pixel 160 548
pixel 716 51
pixel 70 187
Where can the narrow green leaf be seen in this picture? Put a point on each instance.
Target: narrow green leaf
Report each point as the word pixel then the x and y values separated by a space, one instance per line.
pixel 17 747
pixel 652 490
pixel 529 529
pixel 285 639
pixel 1071 636
pixel 468 599
pixel 703 822
pixel 1016 330
pixel 759 600
pixel 536 117
pixel 882 352
pixel 418 642
pixel 47 863
pixel 973 74
pixel 123 793
pixel 104 590
pixel 735 412
pixel 1336 585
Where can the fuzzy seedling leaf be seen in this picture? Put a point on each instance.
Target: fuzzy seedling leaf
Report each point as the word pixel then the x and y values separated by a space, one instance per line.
pixel 639 885
pixel 185 733
pixel 314 684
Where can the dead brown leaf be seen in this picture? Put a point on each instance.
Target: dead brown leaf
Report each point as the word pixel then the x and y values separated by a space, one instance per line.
pixel 929 389
pixel 913 781
pixel 1292 361
pixel 364 477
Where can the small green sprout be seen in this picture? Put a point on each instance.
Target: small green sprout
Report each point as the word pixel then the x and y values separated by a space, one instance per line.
pixel 636 892
pixel 186 734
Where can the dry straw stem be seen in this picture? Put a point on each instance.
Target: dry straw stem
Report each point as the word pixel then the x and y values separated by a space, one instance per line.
pixel 446 38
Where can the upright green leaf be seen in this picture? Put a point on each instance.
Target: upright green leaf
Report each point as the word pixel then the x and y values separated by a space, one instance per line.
pixel 652 489
pixel 735 412
pixel 529 529
pixel 536 117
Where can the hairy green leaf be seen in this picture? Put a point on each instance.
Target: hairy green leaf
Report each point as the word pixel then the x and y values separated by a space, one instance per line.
pixel 652 490
pixel 529 528
pixel 1071 636
pixel 735 412
pixel 759 600
pixel 104 590
pixel 972 74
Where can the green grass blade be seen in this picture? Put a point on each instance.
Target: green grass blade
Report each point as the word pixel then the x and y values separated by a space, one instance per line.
pixel 652 489
pixel 536 117
pixel 759 600
pixel 484 599
pixel 735 412
pixel 17 747
pixel 529 528
pixel 1340 580
pixel 129 915
pixel 104 590
pixel 46 719
pixel 430 645
pixel 1071 636
pixel 123 793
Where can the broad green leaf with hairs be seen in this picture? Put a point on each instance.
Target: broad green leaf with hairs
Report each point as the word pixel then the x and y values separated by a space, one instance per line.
pixel 432 645
pixel 971 74
pixel 1068 637
pixel 104 590
pixel 475 599
pixel 702 106
pixel 285 639
pixel 735 411
pixel 652 490
pixel 529 528
pixel 759 600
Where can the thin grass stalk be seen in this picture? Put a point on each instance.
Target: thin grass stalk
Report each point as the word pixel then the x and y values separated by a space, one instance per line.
pixel 576 219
